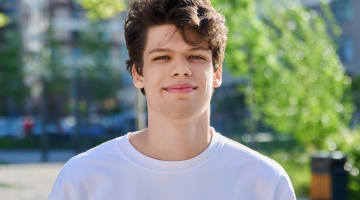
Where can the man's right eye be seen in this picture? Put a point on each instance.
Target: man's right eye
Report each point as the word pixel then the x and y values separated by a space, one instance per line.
pixel 162 58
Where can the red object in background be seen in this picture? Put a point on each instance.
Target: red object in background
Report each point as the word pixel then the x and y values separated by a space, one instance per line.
pixel 28 124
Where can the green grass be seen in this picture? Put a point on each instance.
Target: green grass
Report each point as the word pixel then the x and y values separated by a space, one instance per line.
pixel 8 185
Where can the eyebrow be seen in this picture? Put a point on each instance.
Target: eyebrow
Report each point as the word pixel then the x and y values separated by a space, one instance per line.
pixel 198 48
pixel 159 50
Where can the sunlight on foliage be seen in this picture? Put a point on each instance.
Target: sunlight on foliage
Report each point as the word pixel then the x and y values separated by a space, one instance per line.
pixel 3 20
pixel 102 9
pixel 298 83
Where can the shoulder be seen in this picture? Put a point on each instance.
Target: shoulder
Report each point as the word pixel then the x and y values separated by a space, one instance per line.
pixel 84 171
pixel 91 162
pixel 106 151
pixel 255 169
pixel 247 158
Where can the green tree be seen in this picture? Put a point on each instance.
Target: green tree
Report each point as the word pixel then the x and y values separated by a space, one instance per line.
pixel 102 76
pixel 97 9
pixel 102 9
pixel 297 81
pixel 3 20
pixel 12 86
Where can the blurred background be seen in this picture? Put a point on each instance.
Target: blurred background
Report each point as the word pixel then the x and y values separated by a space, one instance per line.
pixel 291 87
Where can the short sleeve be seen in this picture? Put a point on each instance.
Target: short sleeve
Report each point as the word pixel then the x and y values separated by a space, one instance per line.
pixel 284 189
pixel 63 191
pixel 68 184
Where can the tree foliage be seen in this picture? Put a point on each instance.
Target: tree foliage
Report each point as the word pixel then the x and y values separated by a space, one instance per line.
pixel 12 87
pixel 297 80
pixel 96 9
pixel 3 20
pixel 102 9
pixel 98 69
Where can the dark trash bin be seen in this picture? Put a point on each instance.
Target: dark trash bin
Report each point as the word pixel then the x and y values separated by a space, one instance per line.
pixel 328 179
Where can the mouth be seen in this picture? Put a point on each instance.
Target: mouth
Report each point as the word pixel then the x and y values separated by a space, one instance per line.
pixel 180 88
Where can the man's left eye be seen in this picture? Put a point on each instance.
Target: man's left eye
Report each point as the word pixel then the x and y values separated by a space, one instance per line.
pixel 162 58
pixel 196 57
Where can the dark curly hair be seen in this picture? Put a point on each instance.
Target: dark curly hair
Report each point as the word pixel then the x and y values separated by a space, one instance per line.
pixel 196 15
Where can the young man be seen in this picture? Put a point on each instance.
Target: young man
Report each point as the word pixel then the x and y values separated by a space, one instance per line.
pixel 176 48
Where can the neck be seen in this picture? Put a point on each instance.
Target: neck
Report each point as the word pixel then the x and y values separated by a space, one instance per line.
pixel 173 139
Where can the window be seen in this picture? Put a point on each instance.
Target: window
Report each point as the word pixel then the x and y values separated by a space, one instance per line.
pixel 346 49
pixel 342 10
pixel 75 35
pixel 76 14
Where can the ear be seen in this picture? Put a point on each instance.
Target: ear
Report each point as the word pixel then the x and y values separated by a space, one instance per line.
pixel 138 80
pixel 217 77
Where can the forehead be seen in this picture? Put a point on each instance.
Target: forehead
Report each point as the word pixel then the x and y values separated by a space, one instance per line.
pixel 165 36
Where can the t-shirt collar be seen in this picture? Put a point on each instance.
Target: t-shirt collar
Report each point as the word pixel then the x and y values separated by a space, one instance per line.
pixel 155 164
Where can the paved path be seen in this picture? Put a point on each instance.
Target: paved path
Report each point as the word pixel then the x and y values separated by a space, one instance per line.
pixel 27 181
pixel 25 177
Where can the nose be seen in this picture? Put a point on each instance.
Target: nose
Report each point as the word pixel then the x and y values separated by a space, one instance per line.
pixel 181 67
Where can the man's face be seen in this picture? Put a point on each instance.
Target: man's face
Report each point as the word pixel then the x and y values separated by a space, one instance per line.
pixel 178 78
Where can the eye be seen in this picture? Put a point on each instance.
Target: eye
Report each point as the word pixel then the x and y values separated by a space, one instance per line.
pixel 162 58
pixel 196 57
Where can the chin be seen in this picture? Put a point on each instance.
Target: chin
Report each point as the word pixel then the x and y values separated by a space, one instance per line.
pixel 181 111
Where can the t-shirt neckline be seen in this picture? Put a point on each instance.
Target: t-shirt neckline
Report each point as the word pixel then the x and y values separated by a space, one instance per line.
pixel 162 165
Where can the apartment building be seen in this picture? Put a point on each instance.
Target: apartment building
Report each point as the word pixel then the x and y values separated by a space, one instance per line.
pixel 68 22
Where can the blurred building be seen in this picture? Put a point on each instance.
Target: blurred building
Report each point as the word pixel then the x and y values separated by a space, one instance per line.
pixel 41 23
pixel 347 16
pixel 67 22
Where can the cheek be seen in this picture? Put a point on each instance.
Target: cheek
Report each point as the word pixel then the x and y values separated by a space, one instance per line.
pixel 154 70
pixel 209 83
pixel 206 78
pixel 153 76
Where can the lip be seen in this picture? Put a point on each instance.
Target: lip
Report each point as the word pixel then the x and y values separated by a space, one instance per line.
pixel 180 88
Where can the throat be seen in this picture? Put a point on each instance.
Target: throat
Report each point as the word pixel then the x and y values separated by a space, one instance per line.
pixel 173 145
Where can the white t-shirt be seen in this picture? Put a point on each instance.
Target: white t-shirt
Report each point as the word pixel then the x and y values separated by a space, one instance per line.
pixel 226 170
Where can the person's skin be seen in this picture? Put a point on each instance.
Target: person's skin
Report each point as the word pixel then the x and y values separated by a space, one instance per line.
pixel 178 119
